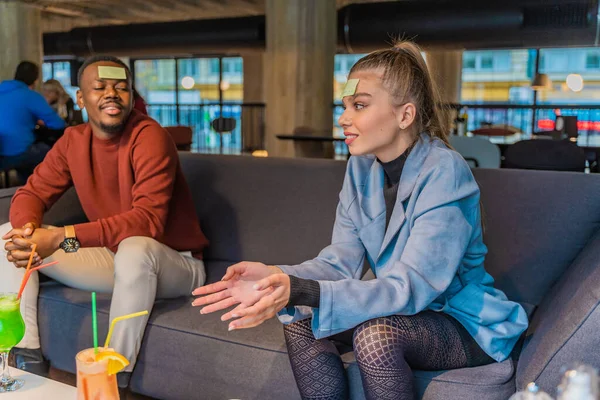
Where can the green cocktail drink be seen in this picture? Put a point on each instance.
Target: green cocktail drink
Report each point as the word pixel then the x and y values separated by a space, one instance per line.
pixel 12 330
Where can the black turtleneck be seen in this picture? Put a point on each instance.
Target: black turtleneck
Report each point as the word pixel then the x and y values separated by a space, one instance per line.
pixel 307 292
pixel 393 172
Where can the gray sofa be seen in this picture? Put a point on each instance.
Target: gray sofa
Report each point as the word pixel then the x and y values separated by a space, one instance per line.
pixel 544 251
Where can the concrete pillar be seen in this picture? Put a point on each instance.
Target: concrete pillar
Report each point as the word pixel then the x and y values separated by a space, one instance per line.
pixel 253 117
pixel 301 39
pixel 20 37
pixel 446 70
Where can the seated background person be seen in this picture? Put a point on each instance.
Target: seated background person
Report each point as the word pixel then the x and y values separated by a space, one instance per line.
pixel 61 102
pixel 20 110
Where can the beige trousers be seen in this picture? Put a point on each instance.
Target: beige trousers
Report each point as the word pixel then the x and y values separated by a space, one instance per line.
pixel 141 271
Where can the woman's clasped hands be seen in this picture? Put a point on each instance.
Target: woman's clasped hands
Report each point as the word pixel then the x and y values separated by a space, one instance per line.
pixel 257 290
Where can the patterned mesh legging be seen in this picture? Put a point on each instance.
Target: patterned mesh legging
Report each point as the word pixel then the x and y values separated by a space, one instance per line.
pixel 386 349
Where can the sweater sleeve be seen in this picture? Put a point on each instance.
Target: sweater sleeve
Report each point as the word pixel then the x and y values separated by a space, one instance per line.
pixel 50 179
pixel 304 292
pixel 154 162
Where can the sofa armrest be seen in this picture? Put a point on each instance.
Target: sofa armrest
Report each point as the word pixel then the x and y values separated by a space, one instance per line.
pixel 565 327
pixel 66 211
pixel 5 197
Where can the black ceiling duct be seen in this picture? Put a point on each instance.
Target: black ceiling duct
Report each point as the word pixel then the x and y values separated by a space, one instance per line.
pixel 160 38
pixel 443 24
pixel 469 24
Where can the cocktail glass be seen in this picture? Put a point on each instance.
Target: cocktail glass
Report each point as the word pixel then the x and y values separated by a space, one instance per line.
pixel 93 380
pixel 12 330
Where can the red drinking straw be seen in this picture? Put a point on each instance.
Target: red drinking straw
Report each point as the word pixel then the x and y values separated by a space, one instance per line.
pixel 28 274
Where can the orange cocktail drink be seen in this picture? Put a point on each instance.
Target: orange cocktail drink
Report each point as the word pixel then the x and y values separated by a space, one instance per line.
pixel 93 378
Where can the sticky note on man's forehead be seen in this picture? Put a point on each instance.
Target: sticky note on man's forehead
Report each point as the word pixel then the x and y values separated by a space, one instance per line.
pixel 111 73
pixel 350 88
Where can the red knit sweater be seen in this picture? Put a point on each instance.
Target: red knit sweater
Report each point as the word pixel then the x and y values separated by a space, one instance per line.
pixel 131 185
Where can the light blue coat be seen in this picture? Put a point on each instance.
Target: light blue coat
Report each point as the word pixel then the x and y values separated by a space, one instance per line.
pixel 430 258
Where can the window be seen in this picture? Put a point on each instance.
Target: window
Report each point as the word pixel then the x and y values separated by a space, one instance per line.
pixel 337 67
pixel 214 66
pixel 592 61
pixel 557 61
pixel 469 60
pixel 233 65
pixel 233 79
pixel 341 68
pixel 61 71
pixel 504 77
pixel 192 96
pixel 188 67
pixel 46 71
pixel 559 64
pixel 487 61
pixel 155 80
pixel 498 77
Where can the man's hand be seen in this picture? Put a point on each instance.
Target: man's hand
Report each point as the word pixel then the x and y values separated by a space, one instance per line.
pixel 25 231
pixel 18 253
pixel 47 240
pixel 20 243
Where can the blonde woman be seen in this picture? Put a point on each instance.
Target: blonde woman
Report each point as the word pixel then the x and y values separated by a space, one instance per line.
pixel 59 100
pixel 410 206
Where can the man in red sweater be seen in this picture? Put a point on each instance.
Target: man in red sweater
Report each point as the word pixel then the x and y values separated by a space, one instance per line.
pixel 143 240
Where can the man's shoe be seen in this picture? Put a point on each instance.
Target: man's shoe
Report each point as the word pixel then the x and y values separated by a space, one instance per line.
pixel 31 360
pixel 123 379
pixel 123 393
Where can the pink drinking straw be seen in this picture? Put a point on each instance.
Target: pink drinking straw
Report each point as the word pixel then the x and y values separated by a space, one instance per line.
pixel 28 274
pixel 33 247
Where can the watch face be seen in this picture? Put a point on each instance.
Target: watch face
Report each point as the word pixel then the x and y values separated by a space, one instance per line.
pixel 70 245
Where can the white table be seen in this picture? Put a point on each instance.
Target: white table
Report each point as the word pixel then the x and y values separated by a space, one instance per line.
pixel 38 388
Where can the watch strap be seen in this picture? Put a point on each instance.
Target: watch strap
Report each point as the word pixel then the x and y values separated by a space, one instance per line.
pixel 69 231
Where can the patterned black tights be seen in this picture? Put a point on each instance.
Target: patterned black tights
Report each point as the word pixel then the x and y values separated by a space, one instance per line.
pixel 386 350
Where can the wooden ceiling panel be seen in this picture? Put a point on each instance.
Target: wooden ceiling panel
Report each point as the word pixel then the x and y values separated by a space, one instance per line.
pixel 64 15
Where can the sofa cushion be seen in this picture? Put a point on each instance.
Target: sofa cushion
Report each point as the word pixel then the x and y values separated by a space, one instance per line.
pixel 536 223
pixel 565 327
pixel 5 198
pixel 179 345
pixel 494 382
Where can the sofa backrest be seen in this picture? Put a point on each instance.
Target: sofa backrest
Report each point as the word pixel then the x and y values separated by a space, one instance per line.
pixel 536 223
pixel 282 211
pixel 274 210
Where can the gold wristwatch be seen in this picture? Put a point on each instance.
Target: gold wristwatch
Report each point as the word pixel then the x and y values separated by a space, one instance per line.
pixel 70 244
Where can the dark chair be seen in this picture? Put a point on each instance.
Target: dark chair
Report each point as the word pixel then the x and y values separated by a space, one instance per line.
pixel 493 132
pixel 4 177
pixel 545 155
pixel 223 125
pixel 552 135
pixel 182 136
pixel 478 152
pixel 4 174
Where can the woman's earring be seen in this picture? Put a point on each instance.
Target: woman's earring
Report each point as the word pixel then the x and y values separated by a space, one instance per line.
pixel 401 126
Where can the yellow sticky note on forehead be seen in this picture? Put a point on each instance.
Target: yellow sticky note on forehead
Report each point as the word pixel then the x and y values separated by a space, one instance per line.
pixel 350 88
pixel 111 73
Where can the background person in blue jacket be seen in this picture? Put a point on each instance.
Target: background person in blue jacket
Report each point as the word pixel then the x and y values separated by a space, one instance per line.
pixel 21 109
pixel 410 206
